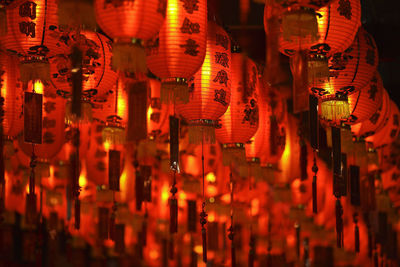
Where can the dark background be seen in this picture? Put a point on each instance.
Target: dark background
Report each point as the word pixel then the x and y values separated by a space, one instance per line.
pixel 381 18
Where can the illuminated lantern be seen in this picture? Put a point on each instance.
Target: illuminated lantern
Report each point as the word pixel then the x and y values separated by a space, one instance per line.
pixel 377 120
pixel 97 163
pixel 390 131
pixel 351 69
pixel 209 89
pixel 98 77
pixel 178 51
pixel 128 23
pixel 366 102
pixel 323 31
pixel 53 126
pixel 11 91
pixel 240 121
pixel 34 35
pixel 157 113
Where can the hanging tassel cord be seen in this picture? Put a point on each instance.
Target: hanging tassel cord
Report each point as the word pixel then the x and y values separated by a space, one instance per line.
pixel 173 227
pixel 203 214
pixel 112 218
pixel 32 165
pixel 339 223
pixel 252 251
pixel 77 188
pixel 231 234
pixel 314 184
pixel 356 233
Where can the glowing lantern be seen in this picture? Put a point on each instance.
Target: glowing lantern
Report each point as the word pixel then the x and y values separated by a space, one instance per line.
pixel 53 133
pixel 34 34
pixel 209 93
pixel 128 23
pixel 390 131
pixel 326 30
pixel 377 120
pixel 240 121
pixel 366 102
pixel 98 77
pixel 11 91
pixel 178 51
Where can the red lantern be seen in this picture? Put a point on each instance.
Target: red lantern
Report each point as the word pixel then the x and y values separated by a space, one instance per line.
pixel 98 77
pixel 178 51
pixel 390 131
pixel 377 120
pixel 11 91
pixel 327 30
pixel 350 70
pixel 366 102
pixel 53 126
pixel 34 34
pixel 240 121
pixel 127 22
pixel 209 93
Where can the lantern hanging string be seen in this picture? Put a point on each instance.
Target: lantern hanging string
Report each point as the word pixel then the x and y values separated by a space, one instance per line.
pixel 231 234
pixel 203 214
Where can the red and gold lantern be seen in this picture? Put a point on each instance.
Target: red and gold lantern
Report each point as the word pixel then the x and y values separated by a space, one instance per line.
pixel 209 88
pixel 240 121
pixel 34 35
pixel 178 51
pixel 128 23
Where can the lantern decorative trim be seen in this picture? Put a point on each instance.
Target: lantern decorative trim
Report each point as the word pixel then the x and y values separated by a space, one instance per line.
pixel 129 55
pixel 114 132
pixel 202 129
pixel 335 109
pixel 174 89
pixel 300 22
pixel 233 152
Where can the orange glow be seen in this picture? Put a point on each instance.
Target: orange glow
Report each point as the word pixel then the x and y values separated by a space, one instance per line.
pixel 106 145
pixel 211 217
pixel 210 177
pixel 198 249
pixel 164 194
pixel 182 196
pixel 226 198
pixel 211 190
pixel 255 206
pixel 38 86
pixel 291 240
pixel 153 254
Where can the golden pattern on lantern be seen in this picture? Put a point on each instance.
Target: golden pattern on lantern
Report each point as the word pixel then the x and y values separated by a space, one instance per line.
pixel 128 23
pixel 240 121
pixel 11 91
pixel 97 76
pixel 209 88
pixel 178 51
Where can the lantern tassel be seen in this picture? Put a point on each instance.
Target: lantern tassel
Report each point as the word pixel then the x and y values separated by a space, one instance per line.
pixel 86 113
pixel 146 149
pixel 130 57
pixel 173 208
pixel 339 223
pixel 174 90
pixel 77 14
pixel 300 24
pixel 34 70
pixel 233 155
pixel 3 21
pixel 203 221
pixel 335 110
pixel 198 133
pixel 314 185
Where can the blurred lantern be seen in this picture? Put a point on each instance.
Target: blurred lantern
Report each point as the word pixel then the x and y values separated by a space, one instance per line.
pixel 11 91
pixel 390 131
pixel 98 78
pixel 209 89
pixel 178 51
pixel 366 102
pixel 34 35
pixel 128 23
pixel 97 163
pixel 77 14
pixel 240 121
pixel 377 120
pixel 53 133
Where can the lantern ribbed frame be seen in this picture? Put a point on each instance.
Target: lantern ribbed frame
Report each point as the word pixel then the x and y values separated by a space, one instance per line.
pixel 350 70
pixel 210 87
pixel 390 131
pixel 376 122
pixel 98 77
pixel 47 35
pixel 165 53
pixel 335 29
pixel 141 19
pixel 366 102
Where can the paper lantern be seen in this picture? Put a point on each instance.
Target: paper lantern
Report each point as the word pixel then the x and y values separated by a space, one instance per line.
pixel 366 102
pixel 327 30
pixel 97 163
pixel 390 131
pixel 240 121
pixel 376 122
pixel 98 77
pixel 11 91
pixel 53 126
pixel 350 70
pixel 302 3
pixel 178 51
pixel 128 23
pixel 34 35
pixel 209 88
pixel 157 113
